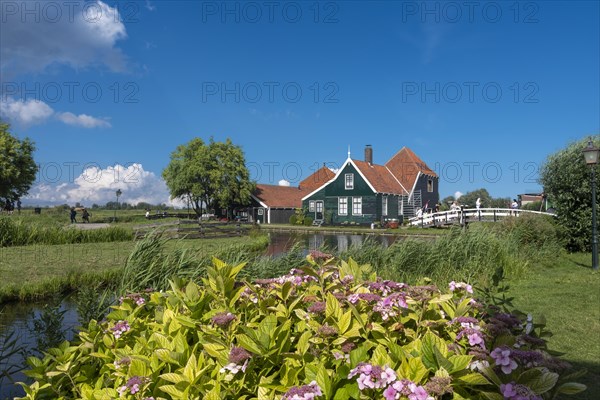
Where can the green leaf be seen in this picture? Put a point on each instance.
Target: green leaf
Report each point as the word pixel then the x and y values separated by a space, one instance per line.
pixel 474 378
pixel 414 369
pixel 138 367
pixel 459 362
pixel 332 307
pixel 323 381
pixel 571 388
pixel 538 380
pixel 248 344
pixel 344 322
pixel 173 377
pixel 172 390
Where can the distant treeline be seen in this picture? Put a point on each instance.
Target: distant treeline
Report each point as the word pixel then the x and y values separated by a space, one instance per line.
pixel 112 205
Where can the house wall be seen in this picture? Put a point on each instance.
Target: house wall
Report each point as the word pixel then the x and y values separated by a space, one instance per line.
pixel 371 207
pixel 431 197
pixel 281 215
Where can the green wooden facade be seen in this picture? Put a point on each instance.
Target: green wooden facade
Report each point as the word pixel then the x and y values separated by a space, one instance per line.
pixel 371 202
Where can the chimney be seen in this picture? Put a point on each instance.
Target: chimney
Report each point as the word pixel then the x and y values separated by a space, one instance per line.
pixel 369 154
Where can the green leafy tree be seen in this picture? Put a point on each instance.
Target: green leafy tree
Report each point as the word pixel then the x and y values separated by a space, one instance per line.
pixel 566 180
pixel 213 175
pixel 17 167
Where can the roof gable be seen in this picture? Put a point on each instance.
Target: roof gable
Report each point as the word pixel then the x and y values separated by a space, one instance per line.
pixel 380 178
pixel 405 165
pixel 316 180
pixel 279 196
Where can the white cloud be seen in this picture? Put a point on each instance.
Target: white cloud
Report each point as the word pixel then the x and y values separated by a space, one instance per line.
pixel 32 112
pixel 283 182
pixel 457 194
pixel 150 6
pixel 98 185
pixel 77 34
pixel 82 120
pixel 28 112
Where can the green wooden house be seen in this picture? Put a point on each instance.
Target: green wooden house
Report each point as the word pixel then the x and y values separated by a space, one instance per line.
pixel 362 192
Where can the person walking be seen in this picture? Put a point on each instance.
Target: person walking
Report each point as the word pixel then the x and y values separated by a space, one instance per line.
pixel 73 215
pixel 85 216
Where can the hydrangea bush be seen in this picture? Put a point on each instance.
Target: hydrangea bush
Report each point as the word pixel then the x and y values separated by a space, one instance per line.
pixel 330 330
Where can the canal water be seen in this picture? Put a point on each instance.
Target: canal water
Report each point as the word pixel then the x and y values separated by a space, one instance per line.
pixel 17 318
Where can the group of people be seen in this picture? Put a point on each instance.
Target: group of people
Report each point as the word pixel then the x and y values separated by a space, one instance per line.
pixel 85 215
pixel 9 206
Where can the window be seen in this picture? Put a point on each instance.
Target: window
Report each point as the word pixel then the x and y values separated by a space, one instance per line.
pixel 261 211
pixel 357 206
pixel 384 206
pixel 319 206
pixel 343 206
pixel 349 181
pixel 430 185
pixel 311 206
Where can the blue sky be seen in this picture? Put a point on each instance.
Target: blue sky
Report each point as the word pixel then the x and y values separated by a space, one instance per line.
pixel 481 91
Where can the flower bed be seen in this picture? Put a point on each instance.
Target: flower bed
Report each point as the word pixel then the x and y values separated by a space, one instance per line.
pixel 326 331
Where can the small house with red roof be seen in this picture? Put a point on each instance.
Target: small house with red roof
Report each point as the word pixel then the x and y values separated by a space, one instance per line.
pixel 362 192
pixel 274 204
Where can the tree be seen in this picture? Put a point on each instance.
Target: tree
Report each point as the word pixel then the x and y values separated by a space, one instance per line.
pixel 17 167
pixel 566 181
pixel 213 175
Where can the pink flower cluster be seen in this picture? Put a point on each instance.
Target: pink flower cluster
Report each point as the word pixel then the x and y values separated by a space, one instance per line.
pixel 306 392
pixel 513 391
pixel 120 328
pixel 376 377
pixel 386 306
pixel 133 385
pixel 471 329
pixel 460 286
pixel 136 297
pixel 501 356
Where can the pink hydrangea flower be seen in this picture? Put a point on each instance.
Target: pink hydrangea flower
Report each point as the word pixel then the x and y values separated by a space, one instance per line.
pixel 502 358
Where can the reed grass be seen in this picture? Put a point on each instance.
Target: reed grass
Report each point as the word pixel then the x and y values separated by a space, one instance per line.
pixel 16 231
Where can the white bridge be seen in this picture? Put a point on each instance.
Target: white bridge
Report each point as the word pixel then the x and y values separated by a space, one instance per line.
pixel 466 215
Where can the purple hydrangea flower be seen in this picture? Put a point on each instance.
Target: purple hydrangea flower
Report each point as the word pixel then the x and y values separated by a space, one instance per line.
pixel 454 286
pixel 120 328
pixel 372 376
pixel 318 307
pixel 501 356
pixel 133 385
pixel 306 392
pixel 223 319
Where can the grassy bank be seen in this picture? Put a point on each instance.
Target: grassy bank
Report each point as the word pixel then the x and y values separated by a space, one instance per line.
pixel 402 231
pixel 567 293
pixel 30 272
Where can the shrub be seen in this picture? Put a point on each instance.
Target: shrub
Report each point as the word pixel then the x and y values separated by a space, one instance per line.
pixel 308 221
pixel 293 219
pixel 324 331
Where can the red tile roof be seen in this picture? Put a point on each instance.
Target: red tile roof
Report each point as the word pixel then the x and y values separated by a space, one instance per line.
pixel 316 180
pixel 279 196
pixel 380 177
pixel 406 165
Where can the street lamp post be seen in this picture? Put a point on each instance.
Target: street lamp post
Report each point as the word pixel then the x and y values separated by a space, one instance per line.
pixel 118 193
pixel 590 154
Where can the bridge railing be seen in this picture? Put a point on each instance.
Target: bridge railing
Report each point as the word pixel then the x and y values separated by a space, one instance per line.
pixel 465 215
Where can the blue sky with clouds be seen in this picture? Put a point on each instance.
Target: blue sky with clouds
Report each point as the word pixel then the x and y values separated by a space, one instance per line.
pixel 482 91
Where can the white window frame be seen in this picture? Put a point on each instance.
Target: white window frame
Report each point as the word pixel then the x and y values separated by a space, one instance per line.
pixel 384 206
pixel 311 206
pixel 319 206
pixel 349 181
pixel 357 206
pixel 261 211
pixel 342 203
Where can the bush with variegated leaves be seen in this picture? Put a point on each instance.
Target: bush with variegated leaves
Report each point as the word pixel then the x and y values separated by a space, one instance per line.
pixel 330 330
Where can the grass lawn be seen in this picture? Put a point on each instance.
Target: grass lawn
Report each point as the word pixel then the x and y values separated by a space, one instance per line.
pixel 567 294
pixel 35 271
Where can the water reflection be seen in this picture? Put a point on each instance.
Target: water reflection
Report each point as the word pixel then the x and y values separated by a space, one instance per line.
pixel 17 318
pixel 281 242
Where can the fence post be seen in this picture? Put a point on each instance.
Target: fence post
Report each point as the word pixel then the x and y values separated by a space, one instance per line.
pixel 495 215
